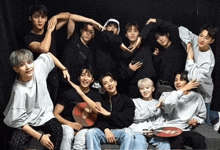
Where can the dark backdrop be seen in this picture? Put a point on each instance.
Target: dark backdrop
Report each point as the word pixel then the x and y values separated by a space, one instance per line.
pixel 14 25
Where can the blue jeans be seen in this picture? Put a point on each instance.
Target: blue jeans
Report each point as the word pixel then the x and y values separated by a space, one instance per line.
pixel 211 115
pixel 159 142
pixel 140 142
pixel 95 137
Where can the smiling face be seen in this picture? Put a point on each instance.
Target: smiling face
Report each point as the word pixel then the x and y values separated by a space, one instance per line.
pixel 109 85
pixel 25 70
pixel 85 79
pixel 38 20
pixel 87 33
pixel 179 82
pixel 146 91
pixel 204 41
pixel 132 34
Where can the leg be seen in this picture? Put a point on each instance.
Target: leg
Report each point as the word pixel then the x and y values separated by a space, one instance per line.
pixel 208 121
pixel 160 143
pixel 140 142
pixel 94 137
pixel 125 138
pixel 80 140
pixel 194 140
pixel 68 135
pixel 177 142
pixel 19 138
pixel 54 128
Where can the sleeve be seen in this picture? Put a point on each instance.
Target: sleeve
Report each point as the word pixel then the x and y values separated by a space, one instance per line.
pixel 28 39
pixel 125 117
pixel 111 38
pixel 44 63
pixel 187 36
pixel 124 71
pixel 200 73
pixel 15 112
pixel 201 115
pixel 169 100
pixel 169 27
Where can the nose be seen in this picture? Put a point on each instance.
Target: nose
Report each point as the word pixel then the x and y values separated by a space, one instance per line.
pixel 40 19
pixel 28 65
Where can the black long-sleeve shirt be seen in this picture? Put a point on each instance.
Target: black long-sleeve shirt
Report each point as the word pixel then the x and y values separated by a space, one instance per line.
pixel 172 59
pixel 122 112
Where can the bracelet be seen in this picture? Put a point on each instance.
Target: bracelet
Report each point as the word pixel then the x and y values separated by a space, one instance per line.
pixel 40 137
pixel 64 69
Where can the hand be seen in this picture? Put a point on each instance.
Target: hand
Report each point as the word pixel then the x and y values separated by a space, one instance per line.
pixel 97 25
pixel 193 122
pixel 151 20
pixel 189 86
pixel 135 66
pixel 45 141
pixel 137 44
pixel 125 49
pixel 75 125
pixel 66 74
pixel 103 111
pixel 52 24
pixel 156 51
pixel 76 87
pixel 109 136
pixel 190 53
pixel 160 103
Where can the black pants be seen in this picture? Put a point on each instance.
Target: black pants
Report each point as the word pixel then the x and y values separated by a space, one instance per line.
pixel 52 127
pixel 188 138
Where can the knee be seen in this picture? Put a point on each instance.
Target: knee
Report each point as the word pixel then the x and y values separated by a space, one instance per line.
pixel 128 132
pixel 68 132
pixel 92 132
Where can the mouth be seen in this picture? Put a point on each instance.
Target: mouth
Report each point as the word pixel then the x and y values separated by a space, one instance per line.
pixel 29 71
pixel 40 25
pixel 85 83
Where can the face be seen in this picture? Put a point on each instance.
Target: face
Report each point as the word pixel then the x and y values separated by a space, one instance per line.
pixel 25 70
pixel 109 85
pixel 204 40
pixel 87 33
pixel 179 83
pixel 163 40
pixel 38 20
pixel 146 91
pixel 132 34
pixel 112 27
pixel 85 79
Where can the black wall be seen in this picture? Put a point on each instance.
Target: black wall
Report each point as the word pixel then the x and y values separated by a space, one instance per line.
pixel 14 25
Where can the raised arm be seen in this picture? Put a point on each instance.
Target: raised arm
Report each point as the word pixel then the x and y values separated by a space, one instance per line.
pixel 78 18
pixel 60 66
pixel 187 36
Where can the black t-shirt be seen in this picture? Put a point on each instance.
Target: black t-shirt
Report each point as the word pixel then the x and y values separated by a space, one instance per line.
pixel 31 37
pixel 70 98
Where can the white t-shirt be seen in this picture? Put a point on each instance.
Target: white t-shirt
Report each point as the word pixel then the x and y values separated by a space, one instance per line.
pixel 30 102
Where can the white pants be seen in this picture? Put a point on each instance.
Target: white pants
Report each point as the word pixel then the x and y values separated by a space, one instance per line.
pixel 68 136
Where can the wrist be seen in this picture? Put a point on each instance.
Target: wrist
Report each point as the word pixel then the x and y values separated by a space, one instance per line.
pixel 64 69
pixel 40 137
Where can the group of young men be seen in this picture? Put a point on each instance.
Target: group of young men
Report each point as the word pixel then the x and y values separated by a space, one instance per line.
pixel 106 76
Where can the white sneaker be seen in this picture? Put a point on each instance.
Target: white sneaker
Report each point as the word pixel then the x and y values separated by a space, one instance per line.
pixel 216 126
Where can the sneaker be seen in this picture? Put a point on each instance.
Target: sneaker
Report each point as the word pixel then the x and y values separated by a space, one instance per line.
pixel 216 126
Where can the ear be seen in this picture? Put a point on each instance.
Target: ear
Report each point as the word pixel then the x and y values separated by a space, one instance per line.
pixel 126 35
pixel 213 40
pixel 168 34
pixel 30 18
pixel 116 83
pixel 15 69
pixel 153 89
pixel 92 80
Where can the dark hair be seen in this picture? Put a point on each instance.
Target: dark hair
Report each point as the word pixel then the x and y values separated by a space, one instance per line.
pixel 211 30
pixel 130 24
pixel 111 22
pixel 88 69
pixel 160 32
pixel 84 26
pixel 38 8
pixel 104 75
pixel 184 76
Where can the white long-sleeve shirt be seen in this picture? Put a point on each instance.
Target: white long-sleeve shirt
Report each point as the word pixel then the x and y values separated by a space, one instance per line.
pixel 146 115
pixel 30 102
pixel 179 108
pixel 201 67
